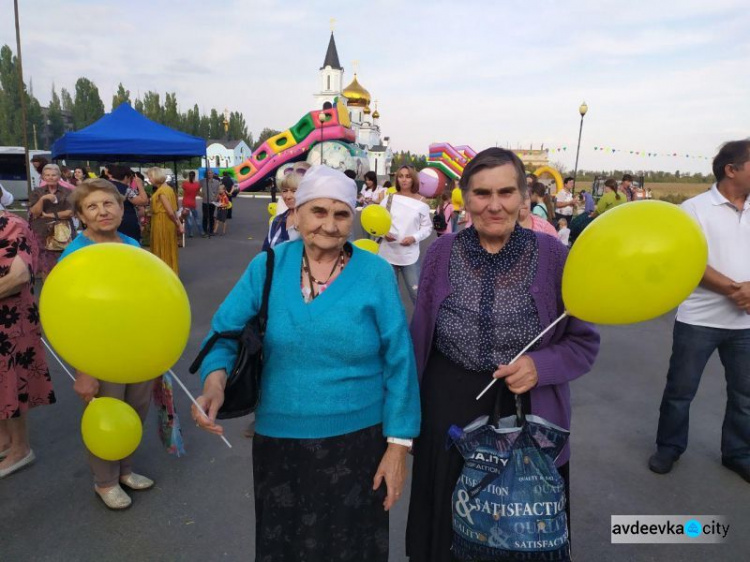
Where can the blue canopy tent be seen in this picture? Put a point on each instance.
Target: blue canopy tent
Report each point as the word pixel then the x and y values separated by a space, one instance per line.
pixel 127 136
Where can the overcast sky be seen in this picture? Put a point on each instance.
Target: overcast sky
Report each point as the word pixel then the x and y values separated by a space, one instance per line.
pixel 658 76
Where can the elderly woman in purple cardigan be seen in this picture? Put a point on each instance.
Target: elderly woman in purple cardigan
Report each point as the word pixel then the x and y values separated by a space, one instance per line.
pixel 484 294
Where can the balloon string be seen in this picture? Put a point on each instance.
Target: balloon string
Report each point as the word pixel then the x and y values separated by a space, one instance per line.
pixel 525 349
pixel 58 359
pixel 171 372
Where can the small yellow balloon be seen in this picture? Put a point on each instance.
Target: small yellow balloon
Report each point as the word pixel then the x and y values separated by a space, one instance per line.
pixel 272 209
pixel 111 429
pixel 98 303
pixel 391 190
pixel 457 197
pixel 367 245
pixel 376 220
pixel 633 263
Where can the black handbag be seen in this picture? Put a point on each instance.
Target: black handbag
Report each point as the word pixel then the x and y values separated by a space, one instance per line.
pixel 242 391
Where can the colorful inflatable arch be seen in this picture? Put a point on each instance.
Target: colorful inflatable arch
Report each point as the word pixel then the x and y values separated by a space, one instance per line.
pixel 293 143
pixel 552 172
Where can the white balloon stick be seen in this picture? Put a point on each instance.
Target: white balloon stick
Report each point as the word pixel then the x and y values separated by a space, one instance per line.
pixel 49 348
pixel 525 349
pixel 171 372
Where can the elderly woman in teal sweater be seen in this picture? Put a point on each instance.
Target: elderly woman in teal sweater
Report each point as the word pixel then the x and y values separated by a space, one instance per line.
pixel 339 394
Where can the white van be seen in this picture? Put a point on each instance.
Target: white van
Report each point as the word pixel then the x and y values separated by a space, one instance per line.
pixel 13 170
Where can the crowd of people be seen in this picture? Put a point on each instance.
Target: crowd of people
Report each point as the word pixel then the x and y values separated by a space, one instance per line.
pixel 336 422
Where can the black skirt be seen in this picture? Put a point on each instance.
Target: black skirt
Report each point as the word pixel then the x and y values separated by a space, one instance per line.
pixel 314 499
pixel 448 398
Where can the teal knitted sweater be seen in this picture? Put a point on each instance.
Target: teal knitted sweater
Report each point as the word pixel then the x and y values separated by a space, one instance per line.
pixel 339 364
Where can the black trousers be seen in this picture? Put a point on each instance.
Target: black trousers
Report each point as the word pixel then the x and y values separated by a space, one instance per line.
pixel 208 218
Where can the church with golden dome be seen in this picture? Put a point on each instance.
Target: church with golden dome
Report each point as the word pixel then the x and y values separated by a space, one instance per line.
pixel 363 111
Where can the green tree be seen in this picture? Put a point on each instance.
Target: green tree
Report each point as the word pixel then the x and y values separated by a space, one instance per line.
pixel 138 105
pixel 152 107
pixel 35 124
pixel 67 101
pixel 121 96
pixel 192 121
pixel 238 128
pixel 54 117
pixel 205 127
pixel 11 116
pixel 10 99
pixel 408 159
pixel 216 130
pixel 87 106
pixel 265 134
pixel 171 114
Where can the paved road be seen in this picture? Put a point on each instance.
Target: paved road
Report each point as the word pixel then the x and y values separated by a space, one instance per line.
pixel 202 508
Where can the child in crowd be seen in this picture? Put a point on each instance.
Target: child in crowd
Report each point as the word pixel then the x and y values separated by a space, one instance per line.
pixel 222 209
pixel 563 232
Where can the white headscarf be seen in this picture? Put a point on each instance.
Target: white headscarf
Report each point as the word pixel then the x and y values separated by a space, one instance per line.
pixel 324 182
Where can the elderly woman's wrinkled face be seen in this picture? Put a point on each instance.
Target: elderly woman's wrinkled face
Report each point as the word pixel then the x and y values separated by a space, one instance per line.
pixel 494 201
pixel 288 194
pixel 101 212
pixel 50 177
pixel 325 223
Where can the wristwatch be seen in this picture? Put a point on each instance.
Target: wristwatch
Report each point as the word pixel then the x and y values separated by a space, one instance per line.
pixel 405 442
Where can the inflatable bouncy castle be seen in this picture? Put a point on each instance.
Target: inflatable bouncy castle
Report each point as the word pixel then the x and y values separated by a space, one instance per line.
pixel 294 143
pixel 445 162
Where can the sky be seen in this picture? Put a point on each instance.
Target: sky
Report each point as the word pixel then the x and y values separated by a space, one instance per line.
pixel 657 76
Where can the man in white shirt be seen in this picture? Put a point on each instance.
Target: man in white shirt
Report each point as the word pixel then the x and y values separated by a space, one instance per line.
pixel 564 201
pixel 716 316
pixel 6 198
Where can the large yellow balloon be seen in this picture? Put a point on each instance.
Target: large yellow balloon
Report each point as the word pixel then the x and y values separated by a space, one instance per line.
pixel 457 197
pixel 116 312
pixel 367 245
pixel 376 220
pixel 633 263
pixel 391 190
pixel 111 429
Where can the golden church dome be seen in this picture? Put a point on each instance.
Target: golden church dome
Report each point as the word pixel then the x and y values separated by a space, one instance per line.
pixel 367 110
pixel 376 114
pixel 356 95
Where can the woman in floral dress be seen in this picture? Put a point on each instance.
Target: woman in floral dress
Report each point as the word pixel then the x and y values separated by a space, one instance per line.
pixel 24 377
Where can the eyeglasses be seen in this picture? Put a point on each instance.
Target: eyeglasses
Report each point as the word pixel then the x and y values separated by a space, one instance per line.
pixel 299 171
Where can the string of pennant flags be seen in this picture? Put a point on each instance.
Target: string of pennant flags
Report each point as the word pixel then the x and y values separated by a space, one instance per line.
pixel 605 149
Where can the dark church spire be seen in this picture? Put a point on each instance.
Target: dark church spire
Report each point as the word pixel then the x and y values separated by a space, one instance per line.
pixel 332 56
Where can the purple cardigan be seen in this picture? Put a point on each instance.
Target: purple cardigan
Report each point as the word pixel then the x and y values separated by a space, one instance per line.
pixel 564 354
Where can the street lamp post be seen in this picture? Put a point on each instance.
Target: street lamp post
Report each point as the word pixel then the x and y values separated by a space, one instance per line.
pixel 321 118
pixel 582 110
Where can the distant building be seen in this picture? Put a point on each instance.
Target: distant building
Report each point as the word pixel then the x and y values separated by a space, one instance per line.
pixel 226 154
pixel 532 158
